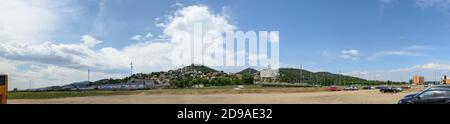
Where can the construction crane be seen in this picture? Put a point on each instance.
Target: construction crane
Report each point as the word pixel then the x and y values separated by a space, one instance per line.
pixel 3 89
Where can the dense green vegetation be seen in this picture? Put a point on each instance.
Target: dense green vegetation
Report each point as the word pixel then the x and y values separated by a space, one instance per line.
pixel 209 77
pixel 292 75
pixel 188 81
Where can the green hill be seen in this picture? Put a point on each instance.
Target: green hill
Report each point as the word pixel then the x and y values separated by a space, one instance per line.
pixel 292 75
pixel 248 70
pixel 202 68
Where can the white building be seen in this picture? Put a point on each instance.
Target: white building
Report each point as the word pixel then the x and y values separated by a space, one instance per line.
pixel 268 75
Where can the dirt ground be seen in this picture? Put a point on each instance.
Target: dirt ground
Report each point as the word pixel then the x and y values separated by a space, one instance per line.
pixel 341 97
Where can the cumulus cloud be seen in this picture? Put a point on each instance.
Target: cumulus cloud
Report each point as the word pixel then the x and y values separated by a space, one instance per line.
pixel 350 54
pixel 149 35
pixel 146 37
pixel 29 20
pixel 90 41
pixel 72 59
pixel 136 37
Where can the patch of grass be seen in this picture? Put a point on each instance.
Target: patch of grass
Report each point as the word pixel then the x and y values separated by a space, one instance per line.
pixel 64 94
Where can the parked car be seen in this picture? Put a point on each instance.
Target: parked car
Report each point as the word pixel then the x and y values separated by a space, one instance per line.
pixel 406 87
pixel 432 95
pixel 369 88
pixel 334 88
pixel 381 87
pixel 351 88
pixel 391 89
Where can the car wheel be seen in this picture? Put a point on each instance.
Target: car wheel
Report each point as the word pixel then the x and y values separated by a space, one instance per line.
pixel 408 103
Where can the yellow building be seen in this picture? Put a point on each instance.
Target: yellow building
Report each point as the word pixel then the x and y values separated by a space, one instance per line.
pixel 3 88
pixel 418 80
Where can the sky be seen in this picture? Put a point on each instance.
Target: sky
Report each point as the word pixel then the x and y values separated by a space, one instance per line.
pixel 48 42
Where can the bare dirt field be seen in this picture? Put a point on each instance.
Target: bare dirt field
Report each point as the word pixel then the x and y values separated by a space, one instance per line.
pixel 341 97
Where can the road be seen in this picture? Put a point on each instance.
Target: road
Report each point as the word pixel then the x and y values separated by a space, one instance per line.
pixel 341 97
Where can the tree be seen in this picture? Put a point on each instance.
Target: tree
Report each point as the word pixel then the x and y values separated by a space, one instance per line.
pixel 247 78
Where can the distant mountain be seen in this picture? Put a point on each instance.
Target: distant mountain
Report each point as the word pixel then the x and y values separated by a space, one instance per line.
pixel 248 70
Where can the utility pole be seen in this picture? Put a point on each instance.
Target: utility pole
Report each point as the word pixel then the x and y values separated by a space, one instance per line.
pixel 131 71
pixel 30 85
pixel 301 76
pixel 435 77
pixel 89 75
pixel 340 77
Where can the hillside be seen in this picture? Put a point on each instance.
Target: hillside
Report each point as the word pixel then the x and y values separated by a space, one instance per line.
pixel 293 75
pixel 202 68
pixel 286 75
pixel 248 70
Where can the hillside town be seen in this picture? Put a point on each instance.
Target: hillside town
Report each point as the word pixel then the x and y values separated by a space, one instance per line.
pixel 170 79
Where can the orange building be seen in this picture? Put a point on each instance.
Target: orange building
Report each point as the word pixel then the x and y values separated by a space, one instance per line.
pixel 445 80
pixel 418 80
pixel 3 88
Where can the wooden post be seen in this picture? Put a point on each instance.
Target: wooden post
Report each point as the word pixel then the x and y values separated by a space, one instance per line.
pixel 3 89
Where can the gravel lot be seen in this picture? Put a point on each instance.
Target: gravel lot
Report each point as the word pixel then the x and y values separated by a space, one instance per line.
pixel 341 97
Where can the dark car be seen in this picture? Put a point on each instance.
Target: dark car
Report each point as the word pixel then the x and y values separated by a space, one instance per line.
pixel 369 88
pixel 431 95
pixel 391 89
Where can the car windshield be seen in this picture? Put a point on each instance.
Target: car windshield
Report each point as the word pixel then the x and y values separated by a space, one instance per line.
pixel 426 94
pixel 422 91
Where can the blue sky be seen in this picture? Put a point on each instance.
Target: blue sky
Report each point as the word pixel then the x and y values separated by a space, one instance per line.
pixel 380 39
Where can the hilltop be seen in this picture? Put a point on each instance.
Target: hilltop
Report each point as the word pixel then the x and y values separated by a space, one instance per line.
pixel 248 70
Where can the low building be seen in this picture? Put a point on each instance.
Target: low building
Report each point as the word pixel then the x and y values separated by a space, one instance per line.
pixel 418 80
pixel 445 80
pixel 268 75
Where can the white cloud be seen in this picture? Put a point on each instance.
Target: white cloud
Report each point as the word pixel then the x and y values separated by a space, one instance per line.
pixel 440 4
pixel 431 71
pixel 149 35
pixel 356 73
pixel 29 20
pixel 427 66
pixel 146 37
pixel 72 59
pixel 393 53
pixel 90 41
pixel 419 47
pixel 136 37
pixel 350 54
